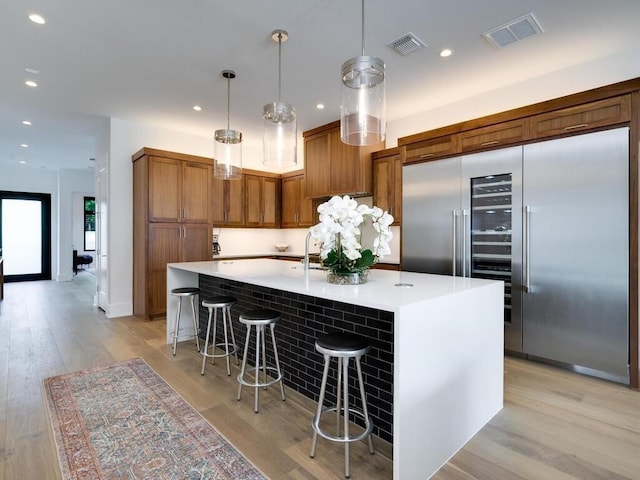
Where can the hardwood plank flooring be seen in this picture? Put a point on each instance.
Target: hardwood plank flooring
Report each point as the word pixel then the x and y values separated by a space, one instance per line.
pixel 555 424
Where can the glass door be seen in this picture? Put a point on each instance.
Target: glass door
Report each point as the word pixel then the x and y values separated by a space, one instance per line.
pixel 492 233
pixel 25 236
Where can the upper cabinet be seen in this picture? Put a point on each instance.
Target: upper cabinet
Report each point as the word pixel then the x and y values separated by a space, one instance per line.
pixel 227 207
pixel 262 200
pixel 589 116
pixel 387 182
pixel 297 210
pixel 335 168
pixel 430 149
pixel 178 190
pixel 494 136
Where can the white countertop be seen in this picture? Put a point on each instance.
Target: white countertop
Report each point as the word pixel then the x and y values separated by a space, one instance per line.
pixel 384 290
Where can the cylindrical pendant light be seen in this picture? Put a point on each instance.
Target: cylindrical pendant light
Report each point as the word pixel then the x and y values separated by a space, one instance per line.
pixel 280 140
pixel 363 104
pixel 227 148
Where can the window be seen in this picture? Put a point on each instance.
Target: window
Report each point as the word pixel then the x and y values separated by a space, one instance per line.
pixel 89 224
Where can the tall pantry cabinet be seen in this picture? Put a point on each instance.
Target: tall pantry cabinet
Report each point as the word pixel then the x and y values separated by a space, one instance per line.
pixel 171 222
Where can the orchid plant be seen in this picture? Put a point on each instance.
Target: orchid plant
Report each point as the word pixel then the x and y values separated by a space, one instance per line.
pixel 339 233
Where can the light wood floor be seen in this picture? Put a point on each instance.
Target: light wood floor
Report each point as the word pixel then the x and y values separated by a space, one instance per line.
pixel 555 424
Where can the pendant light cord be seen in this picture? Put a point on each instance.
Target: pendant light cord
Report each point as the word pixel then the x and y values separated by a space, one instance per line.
pixel 363 28
pixel 279 66
pixel 228 99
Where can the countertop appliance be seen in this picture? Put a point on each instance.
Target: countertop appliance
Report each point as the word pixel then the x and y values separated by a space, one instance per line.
pixel 551 220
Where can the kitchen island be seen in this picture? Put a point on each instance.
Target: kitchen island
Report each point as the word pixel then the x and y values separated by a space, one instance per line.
pixel 434 375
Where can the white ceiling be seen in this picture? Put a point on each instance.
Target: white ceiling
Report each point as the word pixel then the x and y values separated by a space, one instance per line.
pixel 150 61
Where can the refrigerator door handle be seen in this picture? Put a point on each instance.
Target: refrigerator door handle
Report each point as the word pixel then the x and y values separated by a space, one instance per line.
pixel 454 237
pixel 464 243
pixel 527 250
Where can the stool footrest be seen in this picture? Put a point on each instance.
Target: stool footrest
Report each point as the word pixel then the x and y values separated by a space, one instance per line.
pixel 232 350
pixel 259 384
pixel 315 423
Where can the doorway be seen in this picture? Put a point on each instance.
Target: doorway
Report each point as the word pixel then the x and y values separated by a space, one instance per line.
pixel 25 236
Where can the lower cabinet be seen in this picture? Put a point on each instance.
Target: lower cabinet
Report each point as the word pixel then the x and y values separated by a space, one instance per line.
pixel 167 243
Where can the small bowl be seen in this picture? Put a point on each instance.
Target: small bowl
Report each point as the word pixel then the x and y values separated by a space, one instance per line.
pixel 282 247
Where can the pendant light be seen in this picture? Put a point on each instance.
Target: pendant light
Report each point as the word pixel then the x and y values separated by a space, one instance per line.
pixel 280 139
pixel 363 105
pixel 227 149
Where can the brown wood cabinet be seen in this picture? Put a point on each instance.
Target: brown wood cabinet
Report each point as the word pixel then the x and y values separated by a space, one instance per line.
pixel 178 190
pixel 387 182
pixel 593 115
pixel 430 149
pixel 335 168
pixel 494 136
pixel 262 200
pixel 227 208
pixel 171 222
pixel 297 210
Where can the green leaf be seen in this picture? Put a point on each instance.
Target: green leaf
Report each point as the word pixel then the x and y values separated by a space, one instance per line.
pixel 366 260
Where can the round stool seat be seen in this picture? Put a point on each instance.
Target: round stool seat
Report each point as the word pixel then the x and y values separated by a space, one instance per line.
pixel 185 291
pixel 219 302
pixel 342 344
pixel 259 317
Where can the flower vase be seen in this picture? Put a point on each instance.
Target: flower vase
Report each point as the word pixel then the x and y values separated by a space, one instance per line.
pixel 354 278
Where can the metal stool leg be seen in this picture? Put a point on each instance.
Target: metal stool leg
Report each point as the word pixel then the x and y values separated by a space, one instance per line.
pixel 177 326
pixel 244 361
pixel 206 341
pixel 275 354
pixel 345 378
pixel 196 327
pixel 257 377
pixel 316 420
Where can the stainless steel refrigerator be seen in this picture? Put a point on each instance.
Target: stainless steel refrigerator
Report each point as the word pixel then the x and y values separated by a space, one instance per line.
pixel 551 220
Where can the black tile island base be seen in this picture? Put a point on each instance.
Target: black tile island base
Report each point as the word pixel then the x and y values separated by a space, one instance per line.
pixel 434 376
pixel 304 318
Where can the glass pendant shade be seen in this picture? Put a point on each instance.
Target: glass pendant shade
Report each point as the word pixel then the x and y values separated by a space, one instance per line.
pixel 280 139
pixel 227 148
pixel 363 104
pixel 227 153
pixel 280 135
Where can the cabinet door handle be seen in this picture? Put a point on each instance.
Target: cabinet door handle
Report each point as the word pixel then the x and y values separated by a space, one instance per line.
pixel 464 243
pixel 454 237
pixel 527 248
pixel 574 127
pixel 427 155
pixel 492 142
pixel 391 209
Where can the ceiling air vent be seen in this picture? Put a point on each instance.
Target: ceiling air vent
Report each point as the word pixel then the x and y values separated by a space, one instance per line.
pixel 406 44
pixel 513 31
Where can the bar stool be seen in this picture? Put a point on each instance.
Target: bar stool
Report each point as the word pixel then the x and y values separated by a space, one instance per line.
pixel 260 319
pixel 223 302
pixel 190 292
pixel 343 346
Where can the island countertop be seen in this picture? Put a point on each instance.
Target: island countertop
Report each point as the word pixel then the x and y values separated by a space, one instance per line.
pixel 435 368
pixel 385 289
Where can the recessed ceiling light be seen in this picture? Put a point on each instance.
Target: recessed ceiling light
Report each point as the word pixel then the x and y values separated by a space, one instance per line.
pixel 31 83
pixel 26 122
pixel 320 106
pixel 446 52
pixel 35 18
pixel 197 108
pixel 23 162
pixel 24 145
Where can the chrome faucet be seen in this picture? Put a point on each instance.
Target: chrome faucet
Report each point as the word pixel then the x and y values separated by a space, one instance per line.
pixel 306 251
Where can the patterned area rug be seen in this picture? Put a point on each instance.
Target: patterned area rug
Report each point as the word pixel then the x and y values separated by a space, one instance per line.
pixel 124 422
